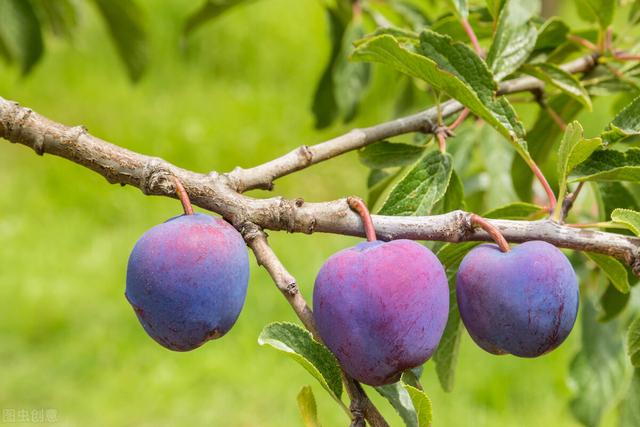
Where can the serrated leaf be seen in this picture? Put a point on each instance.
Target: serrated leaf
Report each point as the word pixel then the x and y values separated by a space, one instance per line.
pixel 421 188
pixel 401 401
pixel 613 269
pixel 325 106
pixel 598 371
pixel 625 124
pixel 600 11
pixel 515 37
pixel 551 34
pixel 20 33
pixel 461 7
pixel 297 343
pixel 422 405
pixel 126 23
pixel 308 408
pixel 629 218
pixel 630 408
pixel 542 137
pixel 207 11
pixel 633 342
pixel 350 79
pixel 453 68
pixel 561 79
pixel 386 154
pixel 609 165
pixel 612 303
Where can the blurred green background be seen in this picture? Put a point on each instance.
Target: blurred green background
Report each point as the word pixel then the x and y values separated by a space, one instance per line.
pixel 240 96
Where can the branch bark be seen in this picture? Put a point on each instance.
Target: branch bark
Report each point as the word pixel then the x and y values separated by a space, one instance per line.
pixel 217 193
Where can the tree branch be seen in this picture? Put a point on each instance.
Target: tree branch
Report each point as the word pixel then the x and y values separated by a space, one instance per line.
pixel 262 176
pixel 216 193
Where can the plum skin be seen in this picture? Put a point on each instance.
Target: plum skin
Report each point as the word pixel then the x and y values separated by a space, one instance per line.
pixel 381 308
pixel 187 280
pixel 523 302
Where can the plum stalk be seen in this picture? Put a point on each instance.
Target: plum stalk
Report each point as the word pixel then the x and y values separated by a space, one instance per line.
pixel 358 205
pixel 492 231
pixel 183 196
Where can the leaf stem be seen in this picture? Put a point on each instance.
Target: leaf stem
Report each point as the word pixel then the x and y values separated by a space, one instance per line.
pixel 472 36
pixel 545 184
pixel 183 196
pixel 358 205
pixel 496 235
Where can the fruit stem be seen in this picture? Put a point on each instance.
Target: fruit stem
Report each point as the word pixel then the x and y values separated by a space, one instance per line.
pixel 358 205
pixel 183 196
pixel 496 235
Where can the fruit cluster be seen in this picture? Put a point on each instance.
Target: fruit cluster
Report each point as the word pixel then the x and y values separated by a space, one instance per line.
pixel 380 307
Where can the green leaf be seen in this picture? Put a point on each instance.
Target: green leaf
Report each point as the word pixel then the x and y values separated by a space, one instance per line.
pixel 630 408
pixel 625 124
pixel 461 7
pixel 446 355
pixel 59 15
pixel 629 218
pixel 613 269
pixel 378 182
pixel 517 210
pixel 350 79
pixel 574 149
pixel 308 408
pixel 453 68
pixel 561 79
pixel 551 34
pixel 609 165
pixel 515 37
pixel 422 405
pixel 598 371
pixel 421 188
pixel 297 343
pixel 633 342
pixel 541 139
pixel 386 154
pixel 325 107
pixel 126 23
pixel 208 11
pixel 20 33
pixel 401 401
pixel 613 195
pixel 634 13
pixel 600 11
pixel 453 198
pixel 612 303
pixel 495 6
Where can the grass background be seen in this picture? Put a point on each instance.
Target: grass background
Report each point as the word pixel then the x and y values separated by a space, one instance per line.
pixel 69 340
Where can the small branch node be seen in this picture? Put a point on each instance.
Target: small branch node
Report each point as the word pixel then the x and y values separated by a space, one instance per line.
pixel 287 214
pixel 156 179
pixel 306 154
pixel 74 134
pixel 292 288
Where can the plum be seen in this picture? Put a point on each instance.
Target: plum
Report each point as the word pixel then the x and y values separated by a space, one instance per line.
pixel 187 280
pixel 523 302
pixel 381 308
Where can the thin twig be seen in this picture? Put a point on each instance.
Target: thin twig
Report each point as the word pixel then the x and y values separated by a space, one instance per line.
pixel 262 176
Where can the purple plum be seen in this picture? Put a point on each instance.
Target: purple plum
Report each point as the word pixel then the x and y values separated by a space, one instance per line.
pixel 522 302
pixel 381 308
pixel 187 280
